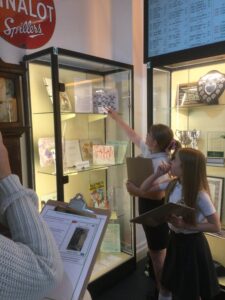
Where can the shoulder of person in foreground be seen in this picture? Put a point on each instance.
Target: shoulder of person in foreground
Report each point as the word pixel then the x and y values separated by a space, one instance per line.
pixel 30 263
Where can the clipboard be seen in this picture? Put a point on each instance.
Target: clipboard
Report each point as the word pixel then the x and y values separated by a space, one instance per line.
pixel 78 235
pixel 138 169
pixel 160 214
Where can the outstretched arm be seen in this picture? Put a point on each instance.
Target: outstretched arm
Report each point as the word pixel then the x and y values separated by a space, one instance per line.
pixel 30 264
pixel 133 136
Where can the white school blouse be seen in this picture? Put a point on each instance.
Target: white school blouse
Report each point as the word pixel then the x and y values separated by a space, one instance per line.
pixel 204 207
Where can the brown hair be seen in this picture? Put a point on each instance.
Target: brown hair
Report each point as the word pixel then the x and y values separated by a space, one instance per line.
pixel 164 137
pixel 194 178
pixel 162 134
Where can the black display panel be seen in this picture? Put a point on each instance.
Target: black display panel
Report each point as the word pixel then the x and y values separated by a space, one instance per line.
pixel 182 29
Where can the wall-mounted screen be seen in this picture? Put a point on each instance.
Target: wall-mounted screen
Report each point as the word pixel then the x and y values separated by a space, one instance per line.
pixel 175 25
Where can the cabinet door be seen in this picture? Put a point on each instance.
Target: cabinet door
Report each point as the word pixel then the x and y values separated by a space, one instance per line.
pixel 89 136
pixel 161 97
pixel 42 132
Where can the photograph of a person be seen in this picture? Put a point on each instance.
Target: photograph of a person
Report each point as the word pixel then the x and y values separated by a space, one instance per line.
pixel 78 238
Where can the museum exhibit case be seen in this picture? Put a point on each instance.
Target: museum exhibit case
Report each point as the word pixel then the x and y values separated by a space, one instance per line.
pixel 192 101
pixel 190 98
pixel 184 54
pixel 76 149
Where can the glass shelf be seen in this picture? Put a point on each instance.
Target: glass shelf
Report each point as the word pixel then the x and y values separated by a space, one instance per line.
pixel 73 171
pixel 92 117
pixel 198 106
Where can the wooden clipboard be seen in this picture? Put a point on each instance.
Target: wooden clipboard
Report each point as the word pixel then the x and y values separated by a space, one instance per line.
pixel 160 214
pixel 138 169
pixel 78 235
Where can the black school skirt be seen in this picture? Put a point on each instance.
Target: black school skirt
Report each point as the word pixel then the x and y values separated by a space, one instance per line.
pixel 157 237
pixel 188 270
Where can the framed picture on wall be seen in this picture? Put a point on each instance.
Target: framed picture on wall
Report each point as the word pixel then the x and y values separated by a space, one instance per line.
pixel 216 190
pixel 187 94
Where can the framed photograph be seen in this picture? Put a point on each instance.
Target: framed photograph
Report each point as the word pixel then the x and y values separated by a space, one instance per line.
pixel 9 97
pixel 216 190
pixel 187 94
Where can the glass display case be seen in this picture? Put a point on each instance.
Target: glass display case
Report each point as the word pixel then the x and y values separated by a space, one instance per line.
pixel 191 100
pixel 76 148
pixel 190 97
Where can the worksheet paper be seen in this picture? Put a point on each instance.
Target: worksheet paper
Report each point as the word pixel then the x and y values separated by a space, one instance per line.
pixel 78 239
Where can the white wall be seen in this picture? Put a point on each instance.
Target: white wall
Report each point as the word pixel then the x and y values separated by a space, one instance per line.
pixel 140 97
pixel 97 27
pixel 111 29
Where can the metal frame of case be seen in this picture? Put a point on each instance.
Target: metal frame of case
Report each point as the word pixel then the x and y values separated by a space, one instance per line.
pixel 93 65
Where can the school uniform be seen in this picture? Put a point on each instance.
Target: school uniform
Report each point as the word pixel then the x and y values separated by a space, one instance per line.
pixel 188 268
pixel 157 237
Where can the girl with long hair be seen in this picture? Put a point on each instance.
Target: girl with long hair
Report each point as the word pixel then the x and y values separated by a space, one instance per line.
pixel 188 271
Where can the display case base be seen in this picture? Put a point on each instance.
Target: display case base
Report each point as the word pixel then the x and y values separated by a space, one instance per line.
pixel 113 274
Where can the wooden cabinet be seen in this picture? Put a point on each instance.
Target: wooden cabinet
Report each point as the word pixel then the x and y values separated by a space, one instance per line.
pixel 12 124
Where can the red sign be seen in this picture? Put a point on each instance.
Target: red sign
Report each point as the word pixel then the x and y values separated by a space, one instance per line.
pixel 27 24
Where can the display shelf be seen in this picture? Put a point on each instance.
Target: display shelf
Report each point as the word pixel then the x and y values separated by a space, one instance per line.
pixel 73 171
pixel 73 114
pixel 199 106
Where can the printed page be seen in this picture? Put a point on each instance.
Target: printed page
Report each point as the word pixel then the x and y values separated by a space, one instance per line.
pixel 78 239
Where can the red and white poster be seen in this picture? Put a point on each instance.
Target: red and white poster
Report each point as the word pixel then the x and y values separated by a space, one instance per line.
pixel 27 24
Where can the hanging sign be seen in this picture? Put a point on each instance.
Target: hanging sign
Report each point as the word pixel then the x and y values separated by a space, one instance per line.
pixel 27 24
